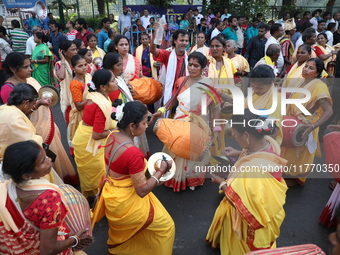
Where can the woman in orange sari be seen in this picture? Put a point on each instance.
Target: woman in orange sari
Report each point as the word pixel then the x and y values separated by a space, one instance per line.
pixel 79 91
pixel 139 224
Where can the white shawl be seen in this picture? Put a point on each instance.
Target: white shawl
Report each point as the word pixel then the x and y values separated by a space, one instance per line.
pixel 171 73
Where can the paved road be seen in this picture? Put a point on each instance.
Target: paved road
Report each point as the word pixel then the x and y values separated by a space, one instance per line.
pixel 193 211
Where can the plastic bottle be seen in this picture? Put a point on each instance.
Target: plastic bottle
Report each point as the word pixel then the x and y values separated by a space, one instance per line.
pixel 160 31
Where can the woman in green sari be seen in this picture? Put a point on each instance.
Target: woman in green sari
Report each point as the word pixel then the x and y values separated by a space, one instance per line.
pixel 42 61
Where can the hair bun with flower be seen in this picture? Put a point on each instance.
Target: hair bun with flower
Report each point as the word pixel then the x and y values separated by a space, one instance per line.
pixel 266 125
pixel 119 112
pixel 92 86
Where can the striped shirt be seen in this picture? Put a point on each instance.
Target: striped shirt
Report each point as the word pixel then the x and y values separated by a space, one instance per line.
pixel 18 38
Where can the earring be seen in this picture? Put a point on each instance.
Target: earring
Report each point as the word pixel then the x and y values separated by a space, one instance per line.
pixel 132 133
pixel 248 141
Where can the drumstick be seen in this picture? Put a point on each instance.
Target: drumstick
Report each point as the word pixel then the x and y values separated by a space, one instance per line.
pixel 167 164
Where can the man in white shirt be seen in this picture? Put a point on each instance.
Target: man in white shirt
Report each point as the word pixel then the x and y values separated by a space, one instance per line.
pixel 225 15
pixel 335 20
pixel 145 19
pixel 197 17
pixel 218 28
pixel 30 44
pixel 240 35
pixel 276 32
pixel 5 49
pixel 124 21
pixel 329 33
pixel 314 19
pixel 283 20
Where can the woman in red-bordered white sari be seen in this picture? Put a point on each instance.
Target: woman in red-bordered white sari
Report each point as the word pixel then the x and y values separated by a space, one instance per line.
pixel 251 213
pixel 191 89
pixel 131 65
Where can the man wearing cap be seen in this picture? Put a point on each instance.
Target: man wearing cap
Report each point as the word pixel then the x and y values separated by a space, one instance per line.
pixel 124 21
pixel 286 43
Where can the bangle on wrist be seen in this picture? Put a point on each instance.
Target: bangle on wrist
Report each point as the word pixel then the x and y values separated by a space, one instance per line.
pixel 77 240
pixel 222 184
pixel 217 128
pixel 162 110
pixel 160 171
pixel 313 126
pixel 155 178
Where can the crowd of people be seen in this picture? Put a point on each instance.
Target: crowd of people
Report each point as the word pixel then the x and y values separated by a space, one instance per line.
pixel 94 72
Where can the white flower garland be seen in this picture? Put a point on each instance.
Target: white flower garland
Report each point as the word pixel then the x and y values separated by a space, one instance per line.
pixel 92 86
pixel 265 125
pixel 119 112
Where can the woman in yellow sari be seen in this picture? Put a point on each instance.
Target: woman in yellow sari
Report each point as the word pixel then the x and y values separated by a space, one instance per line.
pixel 221 71
pixel 91 132
pixel 251 213
pixel 139 224
pixel 320 106
pixel 325 52
pixel 15 126
pixel 93 46
pixel 261 81
pixel 63 72
pixel 114 62
pixel 145 57
pixel 295 72
pixel 240 63
pixel 18 68
pixel 308 37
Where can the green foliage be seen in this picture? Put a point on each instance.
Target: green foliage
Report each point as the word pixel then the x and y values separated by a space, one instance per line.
pixel 95 23
pixel 159 3
pixel 250 8
pixel 247 8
